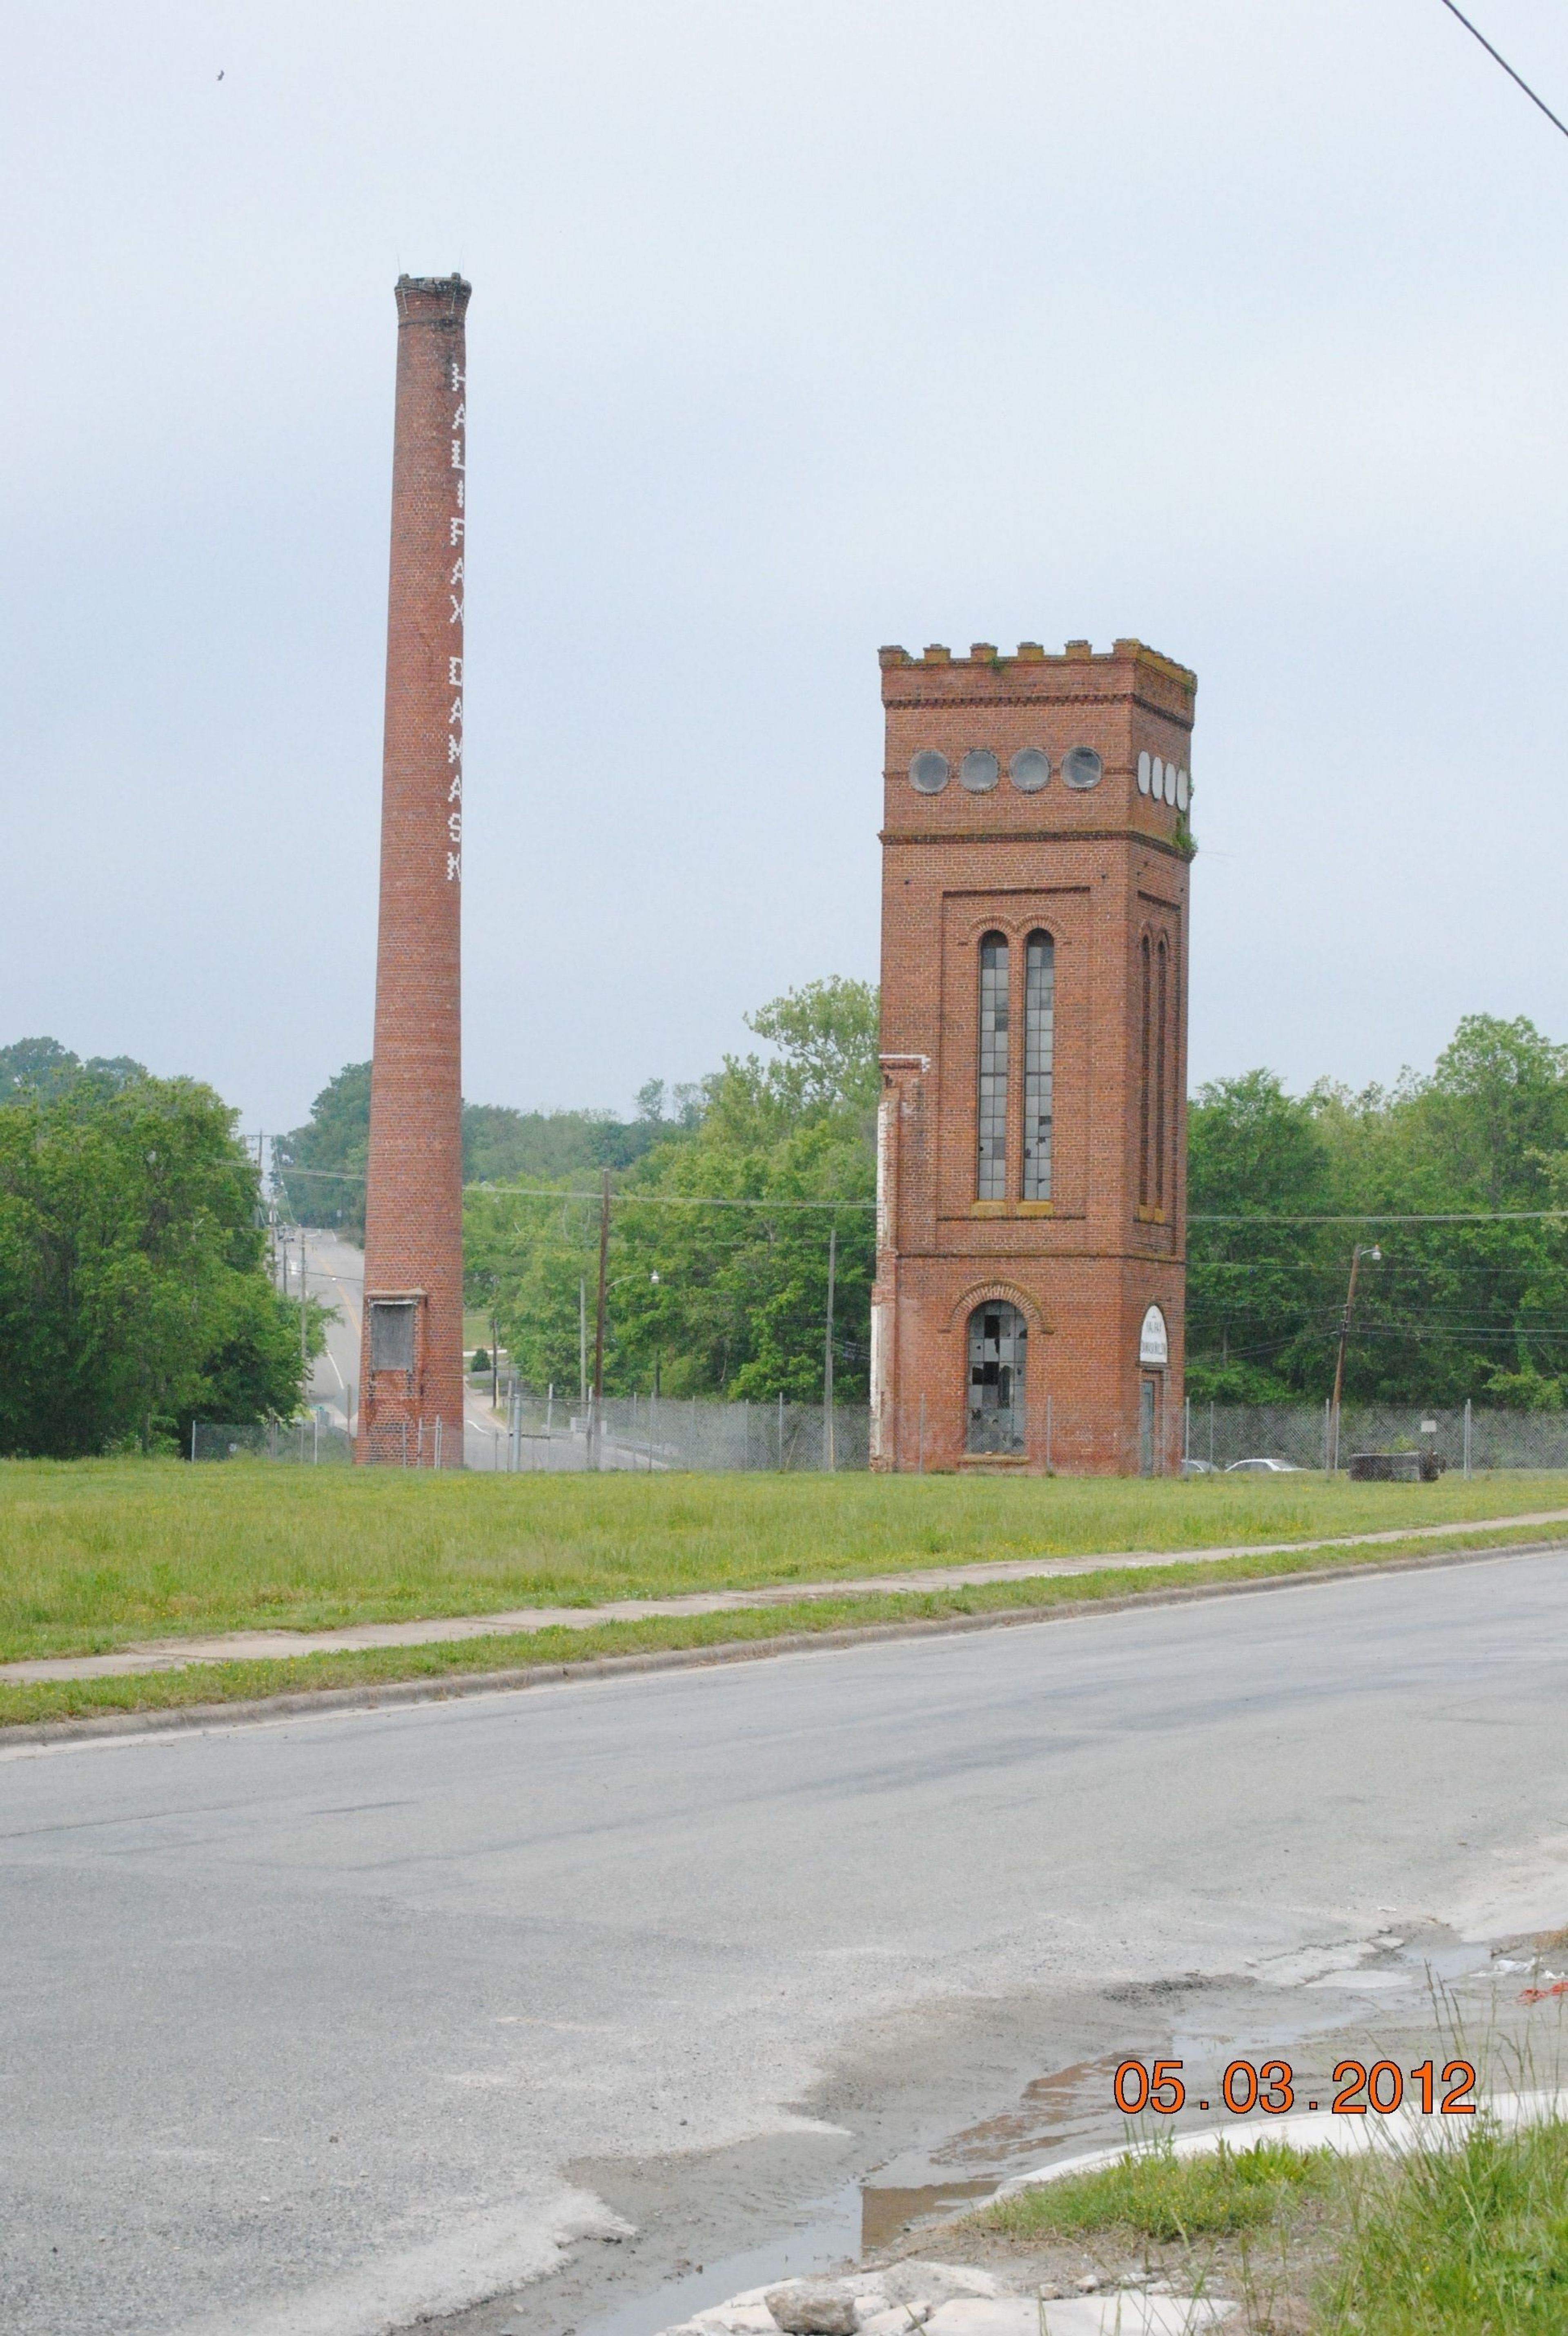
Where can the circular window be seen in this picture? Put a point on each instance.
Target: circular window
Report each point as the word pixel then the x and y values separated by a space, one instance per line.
pixel 1030 770
pixel 928 772
pixel 1083 768
pixel 979 771
pixel 1183 785
pixel 1144 772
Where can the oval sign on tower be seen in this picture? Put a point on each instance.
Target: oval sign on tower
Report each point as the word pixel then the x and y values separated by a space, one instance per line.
pixel 1154 1346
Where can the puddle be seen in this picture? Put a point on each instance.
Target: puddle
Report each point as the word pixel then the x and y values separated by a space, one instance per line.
pixel 1065 2107
pixel 926 2140
pixel 1056 2111
pixel 886 2213
pixel 832 2234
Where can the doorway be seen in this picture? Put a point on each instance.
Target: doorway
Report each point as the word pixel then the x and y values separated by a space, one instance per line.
pixel 998 1349
pixel 1148 1426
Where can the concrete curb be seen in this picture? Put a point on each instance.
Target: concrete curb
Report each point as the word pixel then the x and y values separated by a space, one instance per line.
pixel 388 1694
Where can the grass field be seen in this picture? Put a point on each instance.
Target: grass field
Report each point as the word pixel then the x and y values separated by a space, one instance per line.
pixel 97 1553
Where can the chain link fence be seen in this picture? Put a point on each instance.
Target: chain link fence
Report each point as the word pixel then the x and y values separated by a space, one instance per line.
pixel 1467 1439
pixel 535 1433
pixel 657 1433
pixel 300 1443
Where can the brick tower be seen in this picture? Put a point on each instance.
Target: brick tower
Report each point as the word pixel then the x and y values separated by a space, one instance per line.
pixel 411 1370
pixel 1031 1247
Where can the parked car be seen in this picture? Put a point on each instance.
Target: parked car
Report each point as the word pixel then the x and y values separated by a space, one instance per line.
pixel 1199 1468
pixel 1264 1468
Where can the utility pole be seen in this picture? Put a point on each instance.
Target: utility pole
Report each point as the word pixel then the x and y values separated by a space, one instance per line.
pixel 304 1332
pixel 830 1456
pixel 1356 1254
pixel 598 1323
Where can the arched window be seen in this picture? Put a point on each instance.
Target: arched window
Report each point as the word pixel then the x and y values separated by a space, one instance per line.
pixel 992 1162
pixel 998 1349
pixel 1039 1060
pixel 1145 958
pixel 1161 1050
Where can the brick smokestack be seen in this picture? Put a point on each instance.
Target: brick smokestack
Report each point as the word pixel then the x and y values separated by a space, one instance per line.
pixel 411 1373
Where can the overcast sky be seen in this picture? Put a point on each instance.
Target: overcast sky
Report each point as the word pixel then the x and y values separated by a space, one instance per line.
pixel 1239 325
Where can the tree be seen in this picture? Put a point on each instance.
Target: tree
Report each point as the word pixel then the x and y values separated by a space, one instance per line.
pixel 43 1069
pixel 1451 1309
pixel 133 1291
pixel 321 1165
pixel 739 1305
pixel 1254 1294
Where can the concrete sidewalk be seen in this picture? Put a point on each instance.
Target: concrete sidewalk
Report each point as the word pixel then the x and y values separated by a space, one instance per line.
pixel 243 1646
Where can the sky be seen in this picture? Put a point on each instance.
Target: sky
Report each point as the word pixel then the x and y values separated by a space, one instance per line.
pixel 796 329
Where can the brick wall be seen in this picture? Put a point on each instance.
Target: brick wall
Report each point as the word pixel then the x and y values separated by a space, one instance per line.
pixel 414 1192
pixel 1101 868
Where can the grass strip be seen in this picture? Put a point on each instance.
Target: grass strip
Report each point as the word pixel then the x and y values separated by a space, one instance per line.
pixel 248 1681
pixel 1152 2194
pixel 98 1554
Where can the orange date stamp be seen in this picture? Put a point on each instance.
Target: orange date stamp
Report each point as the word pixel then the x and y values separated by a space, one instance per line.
pixel 1270 2086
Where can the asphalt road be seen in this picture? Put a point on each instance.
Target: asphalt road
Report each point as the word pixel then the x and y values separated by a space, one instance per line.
pixel 304 2025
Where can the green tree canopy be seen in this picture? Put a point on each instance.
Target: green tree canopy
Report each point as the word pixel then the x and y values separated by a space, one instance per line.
pixel 740 1299
pixel 1449 1310
pixel 133 1291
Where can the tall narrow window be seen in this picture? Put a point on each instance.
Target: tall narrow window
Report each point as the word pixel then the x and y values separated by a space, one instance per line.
pixel 991 1164
pixel 1143 1077
pixel 1040 1062
pixel 1162 1049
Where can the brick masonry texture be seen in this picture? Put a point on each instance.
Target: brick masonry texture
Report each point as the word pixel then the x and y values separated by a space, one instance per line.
pixel 1101 870
pixel 414 1189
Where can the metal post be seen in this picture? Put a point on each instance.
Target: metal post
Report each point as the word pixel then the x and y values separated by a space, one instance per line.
pixel 744 1430
pixel 1327 1416
pixel 582 1342
pixel 1211 1434
pixel 549 1408
pixel 435 1457
pixel 1049 1425
pixel 304 1350
pixel 828 1453
pixel 780 1430
pixel 193 1444
pixel 1467 1439
pixel 316 1438
pixel 494 1358
pixel 920 1442
pixel 1186 1433
pixel 596 1416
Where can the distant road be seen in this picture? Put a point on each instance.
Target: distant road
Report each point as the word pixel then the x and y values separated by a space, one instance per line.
pixel 335 1273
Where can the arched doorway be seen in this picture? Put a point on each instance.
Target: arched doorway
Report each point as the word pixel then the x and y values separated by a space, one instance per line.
pixel 999 1351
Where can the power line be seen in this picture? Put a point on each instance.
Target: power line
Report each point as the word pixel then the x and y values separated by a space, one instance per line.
pixel 1425 1217
pixel 1498 58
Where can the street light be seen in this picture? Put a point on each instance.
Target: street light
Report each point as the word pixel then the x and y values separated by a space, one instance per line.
pixel 1356 1254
